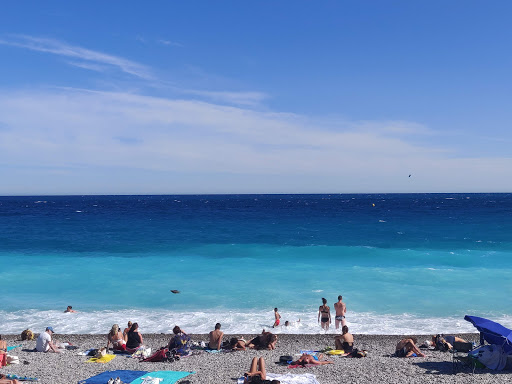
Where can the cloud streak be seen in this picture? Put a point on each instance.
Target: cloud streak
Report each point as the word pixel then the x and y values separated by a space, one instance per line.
pixel 76 129
pixel 60 48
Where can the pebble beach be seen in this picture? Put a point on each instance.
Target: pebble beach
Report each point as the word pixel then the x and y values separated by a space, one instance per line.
pixel 227 367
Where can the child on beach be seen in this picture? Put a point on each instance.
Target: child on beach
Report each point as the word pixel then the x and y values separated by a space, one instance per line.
pixel 277 318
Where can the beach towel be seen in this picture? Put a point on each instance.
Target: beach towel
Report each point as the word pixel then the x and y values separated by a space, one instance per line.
pixel 22 378
pixel 102 359
pixel 215 350
pixel 169 377
pixel 301 366
pixel 305 378
pixel 14 346
pixel 126 376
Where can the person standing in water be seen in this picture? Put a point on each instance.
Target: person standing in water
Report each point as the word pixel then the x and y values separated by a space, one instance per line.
pixel 324 315
pixel 277 318
pixel 341 310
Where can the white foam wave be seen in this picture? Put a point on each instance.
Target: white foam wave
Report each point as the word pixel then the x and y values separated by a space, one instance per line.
pixel 161 321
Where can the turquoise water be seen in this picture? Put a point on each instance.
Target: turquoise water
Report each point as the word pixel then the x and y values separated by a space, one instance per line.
pixel 411 263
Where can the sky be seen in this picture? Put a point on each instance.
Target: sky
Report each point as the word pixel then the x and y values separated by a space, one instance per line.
pixel 199 97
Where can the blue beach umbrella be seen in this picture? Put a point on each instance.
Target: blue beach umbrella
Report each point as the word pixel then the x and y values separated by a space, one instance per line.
pixel 492 332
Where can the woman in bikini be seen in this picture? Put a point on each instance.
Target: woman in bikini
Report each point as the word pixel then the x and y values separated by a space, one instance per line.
pixel 237 344
pixel 115 337
pixel 324 315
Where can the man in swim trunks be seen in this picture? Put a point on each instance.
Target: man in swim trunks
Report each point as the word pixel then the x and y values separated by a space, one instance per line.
pixel 340 309
pixel 277 318
pixel 216 338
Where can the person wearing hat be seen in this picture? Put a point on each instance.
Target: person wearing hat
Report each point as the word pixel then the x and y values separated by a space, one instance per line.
pixel 44 341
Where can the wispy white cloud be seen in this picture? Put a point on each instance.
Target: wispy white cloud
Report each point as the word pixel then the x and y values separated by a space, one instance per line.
pixel 89 66
pixel 169 43
pixel 238 98
pixel 82 129
pixel 60 48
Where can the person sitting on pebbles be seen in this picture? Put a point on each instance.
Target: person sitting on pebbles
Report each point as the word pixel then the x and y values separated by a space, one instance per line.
pixel 345 341
pixel 115 337
pixel 44 342
pixel 407 348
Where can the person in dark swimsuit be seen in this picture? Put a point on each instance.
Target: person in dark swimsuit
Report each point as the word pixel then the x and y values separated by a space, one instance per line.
pixel 134 338
pixel 344 341
pixel 267 340
pixel 324 315
pixel 257 373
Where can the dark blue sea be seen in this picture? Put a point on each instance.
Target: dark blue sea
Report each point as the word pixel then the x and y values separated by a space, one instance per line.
pixel 404 263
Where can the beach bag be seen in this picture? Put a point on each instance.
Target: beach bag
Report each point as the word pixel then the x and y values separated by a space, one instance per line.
pixel 27 334
pixel 285 359
pixel 441 344
pixel 100 353
pixel 158 356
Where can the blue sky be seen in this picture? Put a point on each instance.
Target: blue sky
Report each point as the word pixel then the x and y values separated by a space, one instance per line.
pixel 124 97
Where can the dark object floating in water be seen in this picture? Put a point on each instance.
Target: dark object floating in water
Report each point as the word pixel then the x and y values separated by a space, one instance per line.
pixel 409 175
pixel 175 291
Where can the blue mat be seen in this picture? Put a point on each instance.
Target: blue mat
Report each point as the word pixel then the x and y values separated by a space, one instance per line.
pixel 125 375
pixel 170 377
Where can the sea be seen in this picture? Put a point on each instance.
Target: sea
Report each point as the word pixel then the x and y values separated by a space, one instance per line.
pixel 404 263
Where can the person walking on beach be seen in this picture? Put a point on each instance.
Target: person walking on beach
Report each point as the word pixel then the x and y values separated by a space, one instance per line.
pixel 216 338
pixel 44 341
pixel 341 310
pixel 324 315
pixel 277 318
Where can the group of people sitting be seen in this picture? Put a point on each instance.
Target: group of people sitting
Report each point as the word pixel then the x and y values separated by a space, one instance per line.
pixel 266 340
pixel 128 340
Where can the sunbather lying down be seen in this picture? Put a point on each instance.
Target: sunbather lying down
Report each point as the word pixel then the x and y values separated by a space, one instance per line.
pixel 445 342
pixel 258 374
pixel 309 359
